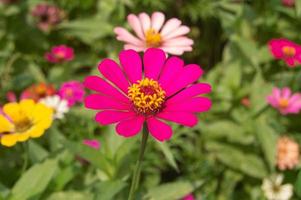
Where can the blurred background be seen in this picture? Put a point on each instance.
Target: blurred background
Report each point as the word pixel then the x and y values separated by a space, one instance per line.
pixel 226 156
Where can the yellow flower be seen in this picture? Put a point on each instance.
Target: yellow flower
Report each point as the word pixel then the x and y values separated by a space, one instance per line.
pixel 24 120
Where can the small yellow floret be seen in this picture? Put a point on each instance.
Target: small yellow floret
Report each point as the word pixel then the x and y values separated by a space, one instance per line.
pixel 147 96
pixel 153 38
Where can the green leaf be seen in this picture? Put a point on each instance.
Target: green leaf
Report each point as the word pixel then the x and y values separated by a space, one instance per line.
pixel 298 184
pixel 95 157
pixel 108 189
pixel 71 195
pixel 4 191
pixel 267 139
pixel 34 181
pixel 170 191
pixel 168 155
pixel 36 152
pixel 235 158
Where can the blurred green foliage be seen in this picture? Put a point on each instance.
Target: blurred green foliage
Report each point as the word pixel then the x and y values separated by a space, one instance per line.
pixel 224 157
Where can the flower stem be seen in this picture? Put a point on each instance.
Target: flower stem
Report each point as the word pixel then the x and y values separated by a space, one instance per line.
pixel 137 171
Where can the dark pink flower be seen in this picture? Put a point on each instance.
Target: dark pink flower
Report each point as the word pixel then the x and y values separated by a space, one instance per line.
pixel 47 16
pixel 284 101
pixel 60 53
pixel 286 50
pixel 72 91
pixel 188 197
pixel 288 3
pixel 95 144
pixel 151 91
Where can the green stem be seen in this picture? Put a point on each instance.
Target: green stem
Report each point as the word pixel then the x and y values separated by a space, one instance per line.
pixel 25 156
pixel 136 175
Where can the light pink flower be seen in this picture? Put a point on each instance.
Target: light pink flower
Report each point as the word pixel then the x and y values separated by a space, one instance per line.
pixel 151 91
pixel 95 144
pixel 11 96
pixel 288 3
pixel 151 31
pixel 60 53
pixel 188 197
pixel 286 50
pixel 72 91
pixel 284 101
pixel 287 153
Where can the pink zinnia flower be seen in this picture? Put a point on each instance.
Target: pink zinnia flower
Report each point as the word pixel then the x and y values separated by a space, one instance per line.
pixel 72 91
pixel 149 91
pixel 286 50
pixel 47 16
pixel 285 101
pixel 288 3
pixel 188 197
pixel 60 54
pixel 11 96
pixel 287 153
pixel 152 32
pixel 95 144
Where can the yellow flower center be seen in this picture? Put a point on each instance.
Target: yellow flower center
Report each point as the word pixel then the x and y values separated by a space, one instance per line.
pixel 283 103
pixel 153 38
pixel 147 96
pixel 288 51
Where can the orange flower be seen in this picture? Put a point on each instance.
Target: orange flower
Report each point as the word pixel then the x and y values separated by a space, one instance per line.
pixel 38 91
pixel 287 153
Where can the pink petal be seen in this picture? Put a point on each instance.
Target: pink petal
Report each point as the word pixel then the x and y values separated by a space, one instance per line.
pixel 95 144
pixel 183 118
pixel 136 26
pixel 170 25
pixel 176 50
pixel 188 75
pixel 145 21
pixel 153 60
pixel 178 41
pixel 290 62
pixel 192 91
pixel 157 20
pixel 130 127
pixel 172 67
pixel 100 102
pixel 182 30
pixel 286 93
pixel 125 36
pixel 113 73
pixel 132 65
pixel 197 104
pixel 111 116
pixel 99 85
pixel 158 129
pixel 134 47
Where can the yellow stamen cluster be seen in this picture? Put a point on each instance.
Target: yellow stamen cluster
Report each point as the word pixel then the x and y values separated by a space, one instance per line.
pixel 283 103
pixel 153 38
pixel 289 51
pixel 147 96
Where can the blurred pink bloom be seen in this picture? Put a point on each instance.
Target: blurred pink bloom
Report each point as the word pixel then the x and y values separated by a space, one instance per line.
pixel 72 91
pixel 246 101
pixel 287 153
pixel 60 54
pixel 149 91
pixel 47 16
pixel 286 50
pixel 11 96
pixel 288 3
pixel 285 101
pixel 188 197
pixel 151 31
pixel 95 144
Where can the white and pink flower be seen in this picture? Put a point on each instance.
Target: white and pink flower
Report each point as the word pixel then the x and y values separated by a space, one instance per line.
pixel 152 31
